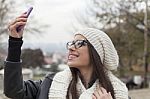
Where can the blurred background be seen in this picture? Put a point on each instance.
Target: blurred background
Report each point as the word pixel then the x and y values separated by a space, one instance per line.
pixel 53 22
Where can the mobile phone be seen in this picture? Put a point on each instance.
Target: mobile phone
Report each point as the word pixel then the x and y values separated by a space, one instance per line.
pixel 29 11
pixel 27 15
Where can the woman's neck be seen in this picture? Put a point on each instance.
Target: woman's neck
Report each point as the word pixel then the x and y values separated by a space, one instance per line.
pixel 85 75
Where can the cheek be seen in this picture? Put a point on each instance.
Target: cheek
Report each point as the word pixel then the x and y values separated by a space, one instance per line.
pixel 82 60
pixel 85 59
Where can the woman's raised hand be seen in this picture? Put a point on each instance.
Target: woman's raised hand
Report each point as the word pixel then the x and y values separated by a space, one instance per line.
pixel 101 93
pixel 16 27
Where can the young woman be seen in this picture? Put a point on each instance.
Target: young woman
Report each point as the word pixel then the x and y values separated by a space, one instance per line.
pixel 91 57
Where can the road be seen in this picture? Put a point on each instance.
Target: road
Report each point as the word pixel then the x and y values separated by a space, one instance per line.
pixel 140 94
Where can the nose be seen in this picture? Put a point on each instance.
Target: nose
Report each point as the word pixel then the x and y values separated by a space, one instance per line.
pixel 71 48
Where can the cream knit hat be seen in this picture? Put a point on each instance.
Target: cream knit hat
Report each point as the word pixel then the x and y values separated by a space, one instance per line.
pixel 103 45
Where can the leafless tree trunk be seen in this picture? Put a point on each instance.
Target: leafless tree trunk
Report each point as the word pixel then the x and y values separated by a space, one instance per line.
pixel 145 58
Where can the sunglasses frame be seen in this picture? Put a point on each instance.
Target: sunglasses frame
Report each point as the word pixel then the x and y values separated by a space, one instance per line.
pixel 77 44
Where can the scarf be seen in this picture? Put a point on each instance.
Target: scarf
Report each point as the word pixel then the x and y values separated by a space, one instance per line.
pixel 61 81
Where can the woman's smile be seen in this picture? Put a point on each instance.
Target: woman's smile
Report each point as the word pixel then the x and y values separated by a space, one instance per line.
pixel 72 56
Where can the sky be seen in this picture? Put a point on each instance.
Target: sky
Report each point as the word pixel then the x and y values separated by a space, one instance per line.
pixel 58 14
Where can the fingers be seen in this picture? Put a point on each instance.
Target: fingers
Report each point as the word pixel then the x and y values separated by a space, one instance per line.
pixel 93 97
pixel 101 93
pixel 23 15
pixel 19 19
pixel 97 94
pixel 109 95
pixel 14 25
pixel 102 90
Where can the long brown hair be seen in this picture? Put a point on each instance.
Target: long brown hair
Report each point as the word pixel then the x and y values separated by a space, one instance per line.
pixel 99 72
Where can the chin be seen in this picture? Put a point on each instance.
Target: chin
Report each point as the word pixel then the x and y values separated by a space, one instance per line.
pixel 70 64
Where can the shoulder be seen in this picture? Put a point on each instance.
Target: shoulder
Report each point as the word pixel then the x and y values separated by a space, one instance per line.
pixel 120 88
pixel 47 80
pixel 59 75
pixel 50 76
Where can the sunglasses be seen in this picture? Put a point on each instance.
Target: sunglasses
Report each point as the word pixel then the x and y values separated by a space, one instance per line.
pixel 77 44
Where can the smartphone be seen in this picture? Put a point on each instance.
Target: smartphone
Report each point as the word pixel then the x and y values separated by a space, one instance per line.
pixel 27 15
pixel 29 11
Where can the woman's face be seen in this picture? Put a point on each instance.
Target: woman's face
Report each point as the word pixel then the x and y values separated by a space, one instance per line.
pixel 78 53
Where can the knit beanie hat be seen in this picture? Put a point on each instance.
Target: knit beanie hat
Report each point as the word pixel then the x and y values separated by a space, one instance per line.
pixel 103 45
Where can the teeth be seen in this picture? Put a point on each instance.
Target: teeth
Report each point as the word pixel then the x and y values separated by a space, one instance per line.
pixel 72 56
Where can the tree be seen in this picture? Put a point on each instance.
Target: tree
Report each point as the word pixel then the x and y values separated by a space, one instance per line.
pixel 3 52
pixel 145 61
pixel 110 13
pixel 32 58
pixel 7 11
pixel 123 21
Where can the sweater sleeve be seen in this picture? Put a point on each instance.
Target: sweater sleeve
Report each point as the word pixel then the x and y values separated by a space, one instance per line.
pixel 14 49
pixel 14 86
pixel 19 89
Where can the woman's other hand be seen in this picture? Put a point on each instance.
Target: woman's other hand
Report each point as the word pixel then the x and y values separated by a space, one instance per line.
pixel 101 93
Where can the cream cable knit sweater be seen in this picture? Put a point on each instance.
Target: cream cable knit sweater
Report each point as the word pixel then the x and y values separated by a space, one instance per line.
pixel 61 80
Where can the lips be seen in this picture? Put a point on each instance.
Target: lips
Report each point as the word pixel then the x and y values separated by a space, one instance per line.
pixel 72 56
